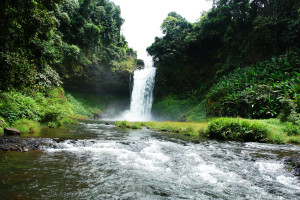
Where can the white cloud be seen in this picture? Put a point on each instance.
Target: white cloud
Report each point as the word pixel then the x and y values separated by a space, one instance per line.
pixel 144 17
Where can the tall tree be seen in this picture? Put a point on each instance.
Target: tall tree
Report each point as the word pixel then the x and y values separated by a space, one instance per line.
pixel 27 42
pixel 233 33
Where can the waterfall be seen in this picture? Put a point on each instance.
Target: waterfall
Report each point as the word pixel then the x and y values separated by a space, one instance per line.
pixel 142 95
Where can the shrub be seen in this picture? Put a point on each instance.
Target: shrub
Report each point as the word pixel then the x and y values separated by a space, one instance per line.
pixel 47 79
pixel 276 137
pixel 15 106
pixel 291 130
pixel 67 120
pixel 189 130
pixel 27 126
pixel 52 114
pixel 237 129
pixel 126 124
pixel 53 124
pixel 121 124
pixel 38 107
pixel 288 112
pixel 294 140
pixel 2 124
pixel 257 91
pixel 135 126
pixel 51 108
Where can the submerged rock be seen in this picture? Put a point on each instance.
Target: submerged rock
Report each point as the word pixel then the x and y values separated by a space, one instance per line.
pixel 11 131
pixel 23 144
pixel 294 163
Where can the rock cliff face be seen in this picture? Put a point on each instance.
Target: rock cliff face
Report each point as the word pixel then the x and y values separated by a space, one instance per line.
pixel 116 83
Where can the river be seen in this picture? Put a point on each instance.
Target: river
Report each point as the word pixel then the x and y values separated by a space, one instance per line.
pixel 97 161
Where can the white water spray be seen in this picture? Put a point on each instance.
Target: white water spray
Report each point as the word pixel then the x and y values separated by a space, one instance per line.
pixel 142 95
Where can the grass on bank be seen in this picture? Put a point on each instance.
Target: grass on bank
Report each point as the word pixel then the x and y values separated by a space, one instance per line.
pixel 88 104
pixel 246 130
pixel 30 111
pixel 188 128
pixel 27 126
pixel 237 129
pixel 282 132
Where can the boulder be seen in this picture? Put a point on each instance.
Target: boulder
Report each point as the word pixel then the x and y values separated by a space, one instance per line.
pixel 294 163
pixel 23 144
pixel 25 149
pixel 11 131
pixel 98 115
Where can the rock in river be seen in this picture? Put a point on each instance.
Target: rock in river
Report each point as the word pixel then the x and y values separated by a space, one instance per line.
pixel 294 162
pixel 23 144
pixel 11 131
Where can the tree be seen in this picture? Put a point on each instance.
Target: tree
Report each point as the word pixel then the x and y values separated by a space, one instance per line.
pixel 27 41
pixel 234 33
pixel 94 50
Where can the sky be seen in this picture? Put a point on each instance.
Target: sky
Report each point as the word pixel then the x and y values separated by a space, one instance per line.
pixel 143 19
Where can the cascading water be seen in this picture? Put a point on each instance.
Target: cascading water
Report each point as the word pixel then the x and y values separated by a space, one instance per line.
pixel 142 95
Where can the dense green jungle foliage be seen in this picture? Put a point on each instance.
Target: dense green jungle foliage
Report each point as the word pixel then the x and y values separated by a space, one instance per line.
pixel 77 40
pixel 95 54
pixel 47 44
pixel 241 58
pixel 27 110
pixel 258 91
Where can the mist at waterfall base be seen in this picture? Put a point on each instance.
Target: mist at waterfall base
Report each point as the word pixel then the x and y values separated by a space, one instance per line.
pixel 142 95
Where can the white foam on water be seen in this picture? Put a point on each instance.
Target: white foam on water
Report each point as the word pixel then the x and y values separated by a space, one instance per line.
pixel 265 167
pixel 151 158
pixel 215 167
pixel 288 181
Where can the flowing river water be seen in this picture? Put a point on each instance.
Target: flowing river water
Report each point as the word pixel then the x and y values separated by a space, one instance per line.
pixel 97 161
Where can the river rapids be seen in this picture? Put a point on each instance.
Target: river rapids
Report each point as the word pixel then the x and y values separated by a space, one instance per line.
pixel 104 162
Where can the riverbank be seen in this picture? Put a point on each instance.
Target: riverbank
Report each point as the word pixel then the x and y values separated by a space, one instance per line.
pixel 187 128
pixel 236 129
pixel 30 111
